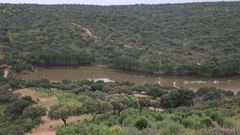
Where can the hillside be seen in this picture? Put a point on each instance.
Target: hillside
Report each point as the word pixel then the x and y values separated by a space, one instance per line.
pixel 201 38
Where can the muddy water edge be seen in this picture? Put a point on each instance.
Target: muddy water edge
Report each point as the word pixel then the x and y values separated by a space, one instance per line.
pixel 82 73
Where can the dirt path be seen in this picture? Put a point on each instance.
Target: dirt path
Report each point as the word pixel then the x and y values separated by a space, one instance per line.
pixel 87 31
pixel 47 128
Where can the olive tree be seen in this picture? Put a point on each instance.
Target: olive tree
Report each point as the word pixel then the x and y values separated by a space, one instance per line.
pixel 34 112
pixel 177 98
pixel 155 103
pixel 95 107
pixel 121 102
pixel 143 103
pixel 16 109
pixel 60 111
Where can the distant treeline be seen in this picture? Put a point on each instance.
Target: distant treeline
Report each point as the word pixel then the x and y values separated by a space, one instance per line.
pixel 218 69
pixel 49 58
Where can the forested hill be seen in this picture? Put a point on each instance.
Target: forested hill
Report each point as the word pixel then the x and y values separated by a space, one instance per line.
pixel 199 38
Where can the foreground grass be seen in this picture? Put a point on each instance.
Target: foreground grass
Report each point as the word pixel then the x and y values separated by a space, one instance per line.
pixel 62 96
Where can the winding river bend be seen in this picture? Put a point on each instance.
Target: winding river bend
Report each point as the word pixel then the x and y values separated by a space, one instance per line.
pixel 58 74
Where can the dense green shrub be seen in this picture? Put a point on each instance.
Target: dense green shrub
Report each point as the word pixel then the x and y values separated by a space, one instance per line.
pixel 172 129
pixel 176 118
pixel 16 109
pixel 177 98
pixel 192 122
pixel 207 122
pixel 158 117
pixel 6 96
pixel 141 123
pixel 12 109
pixel 213 93
pixel 216 115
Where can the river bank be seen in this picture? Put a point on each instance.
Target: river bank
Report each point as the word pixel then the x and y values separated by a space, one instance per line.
pixel 102 73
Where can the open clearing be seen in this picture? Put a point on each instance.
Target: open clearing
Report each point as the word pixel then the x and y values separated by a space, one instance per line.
pixel 41 98
pixel 48 125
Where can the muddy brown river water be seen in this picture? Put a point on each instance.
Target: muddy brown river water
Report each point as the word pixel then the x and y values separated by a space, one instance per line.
pixel 58 74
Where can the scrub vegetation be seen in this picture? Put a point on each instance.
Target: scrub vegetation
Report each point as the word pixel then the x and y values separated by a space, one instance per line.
pixel 174 39
pixel 115 109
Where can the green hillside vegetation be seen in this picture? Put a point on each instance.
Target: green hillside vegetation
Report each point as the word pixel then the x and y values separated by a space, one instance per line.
pixel 177 39
pixel 18 114
pixel 115 110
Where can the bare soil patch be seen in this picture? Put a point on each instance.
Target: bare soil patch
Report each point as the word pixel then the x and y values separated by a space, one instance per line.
pixel 142 96
pixel 156 109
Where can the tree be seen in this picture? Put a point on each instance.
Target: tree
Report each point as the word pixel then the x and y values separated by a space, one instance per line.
pixel 29 99
pixel 122 101
pixel 96 107
pixel 96 95
pixel 155 103
pixel 143 103
pixel 14 84
pixel 156 91
pixel 7 96
pixel 60 111
pixel 212 93
pixel 126 62
pixel 177 98
pixel 18 106
pixel 65 58
pixel 34 112
pixel 97 86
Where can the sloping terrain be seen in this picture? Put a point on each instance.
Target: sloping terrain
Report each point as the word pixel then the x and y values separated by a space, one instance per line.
pixel 199 38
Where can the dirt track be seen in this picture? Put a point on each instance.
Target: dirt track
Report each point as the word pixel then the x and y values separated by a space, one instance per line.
pixel 47 128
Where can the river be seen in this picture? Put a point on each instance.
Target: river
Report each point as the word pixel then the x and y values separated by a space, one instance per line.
pixel 57 74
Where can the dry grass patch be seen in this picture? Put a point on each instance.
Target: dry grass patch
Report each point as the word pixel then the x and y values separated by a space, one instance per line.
pixel 41 98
